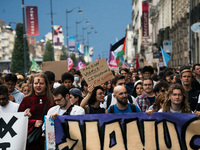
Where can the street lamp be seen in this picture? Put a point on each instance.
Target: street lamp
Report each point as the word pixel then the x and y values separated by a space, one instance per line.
pixel 69 11
pixel 52 29
pixel 95 32
pixel 24 39
pixel 78 22
pixel 84 28
pixel 9 25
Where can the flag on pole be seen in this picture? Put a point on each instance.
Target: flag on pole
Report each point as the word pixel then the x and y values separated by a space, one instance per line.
pixel 119 48
pixel 35 66
pixel 166 57
pixel 80 65
pixel 70 63
pixel 112 60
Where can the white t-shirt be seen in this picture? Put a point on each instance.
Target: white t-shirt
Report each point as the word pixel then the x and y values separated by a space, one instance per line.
pixel 11 107
pixel 171 110
pixel 76 110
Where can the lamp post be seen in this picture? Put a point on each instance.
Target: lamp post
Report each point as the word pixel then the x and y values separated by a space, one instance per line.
pixel 84 28
pixel 24 39
pixel 69 11
pixel 52 29
pixel 78 22
pixel 95 32
pixel 190 33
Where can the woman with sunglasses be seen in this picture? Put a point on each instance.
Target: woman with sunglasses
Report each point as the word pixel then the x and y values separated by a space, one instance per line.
pixel 91 103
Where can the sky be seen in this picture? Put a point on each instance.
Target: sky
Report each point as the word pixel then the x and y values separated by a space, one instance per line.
pixel 108 17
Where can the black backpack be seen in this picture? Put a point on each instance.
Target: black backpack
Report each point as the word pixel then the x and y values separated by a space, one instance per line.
pixel 133 108
pixel 109 97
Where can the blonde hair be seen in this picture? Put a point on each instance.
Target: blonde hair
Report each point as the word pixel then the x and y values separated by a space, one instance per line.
pixel 185 108
pixel 47 90
pixel 23 86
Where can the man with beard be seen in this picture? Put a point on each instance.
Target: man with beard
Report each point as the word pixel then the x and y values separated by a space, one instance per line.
pixel 148 97
pixel 122 105
pixel 63 104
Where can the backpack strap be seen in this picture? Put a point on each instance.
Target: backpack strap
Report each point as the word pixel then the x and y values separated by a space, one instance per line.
pixel 133 107
pixel 130 99
pixel 111 109
pixel 109 97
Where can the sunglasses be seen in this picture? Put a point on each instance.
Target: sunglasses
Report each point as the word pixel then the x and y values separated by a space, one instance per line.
pixel 3 99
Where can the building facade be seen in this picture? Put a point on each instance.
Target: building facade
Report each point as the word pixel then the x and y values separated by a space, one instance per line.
pixel 7 38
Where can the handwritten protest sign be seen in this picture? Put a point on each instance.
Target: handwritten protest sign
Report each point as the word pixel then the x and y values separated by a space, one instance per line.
pixel 13 131
pixel 97 72
pixel 135 131
pixel 57 67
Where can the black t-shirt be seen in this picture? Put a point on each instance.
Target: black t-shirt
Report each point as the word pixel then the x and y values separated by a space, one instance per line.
pixel 152 100
pixel 98 110
pixel 193 96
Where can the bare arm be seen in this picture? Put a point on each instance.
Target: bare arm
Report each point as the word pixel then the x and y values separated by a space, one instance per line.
pixel 84 102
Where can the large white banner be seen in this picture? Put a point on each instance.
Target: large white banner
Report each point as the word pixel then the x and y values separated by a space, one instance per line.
pixel 13 131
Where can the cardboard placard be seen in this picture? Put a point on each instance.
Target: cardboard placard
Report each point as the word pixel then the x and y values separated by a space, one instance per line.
pixel 57 67
pixel 97 72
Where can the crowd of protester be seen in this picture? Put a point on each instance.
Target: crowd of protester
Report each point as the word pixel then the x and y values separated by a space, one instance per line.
pixel 143 90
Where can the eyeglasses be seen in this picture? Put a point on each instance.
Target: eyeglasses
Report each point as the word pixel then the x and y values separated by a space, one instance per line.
pixel 3 99
pixel 58 100
pixel 123 73
pixel 101 93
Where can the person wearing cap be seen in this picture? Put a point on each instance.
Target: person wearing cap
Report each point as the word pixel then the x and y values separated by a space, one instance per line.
pixel 186 81
pixel 138 89
pixel 77 79
pixel 75 96
pixel 63 106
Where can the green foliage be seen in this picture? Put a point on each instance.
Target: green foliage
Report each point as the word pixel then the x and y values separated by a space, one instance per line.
pixel 48 53
pixel 63 56
pixel 75 60
pixel 73 57
pixel 17 62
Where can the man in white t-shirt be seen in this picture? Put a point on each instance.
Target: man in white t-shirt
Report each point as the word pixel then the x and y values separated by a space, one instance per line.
pixel 6 106
pixel 63 104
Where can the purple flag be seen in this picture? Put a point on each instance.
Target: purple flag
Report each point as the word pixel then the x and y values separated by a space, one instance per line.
pixel 80 65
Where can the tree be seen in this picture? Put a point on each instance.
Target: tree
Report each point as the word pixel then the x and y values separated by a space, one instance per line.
pixel 63 56
pixel 48 53
pixel 83 60
pixel 73 57
pixel 17 61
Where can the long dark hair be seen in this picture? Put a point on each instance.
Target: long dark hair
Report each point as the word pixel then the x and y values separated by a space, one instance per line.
pixel 134 93
pixel 92 99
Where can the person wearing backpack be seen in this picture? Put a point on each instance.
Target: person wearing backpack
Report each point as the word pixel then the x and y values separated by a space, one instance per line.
pixel 122 105
pixel 110 99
